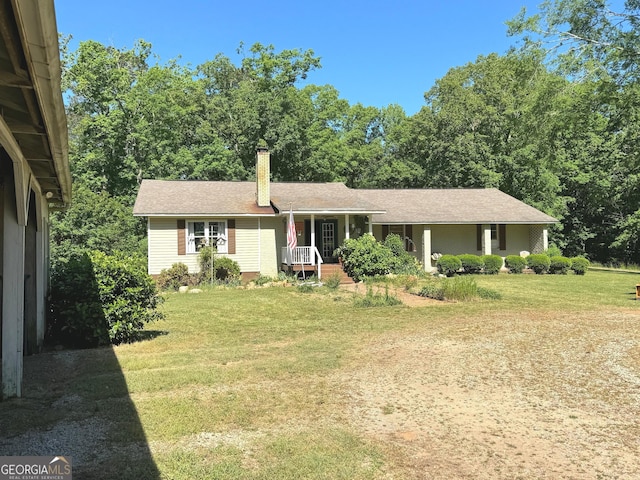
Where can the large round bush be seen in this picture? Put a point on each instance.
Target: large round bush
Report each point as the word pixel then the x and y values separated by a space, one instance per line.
pixel 448 265
pixel 559 265
pixel 515 263
pixel 365 257
pixel 97 299
pixel 492 264
pixel 538 262
pixel 471 263
pixel 579 265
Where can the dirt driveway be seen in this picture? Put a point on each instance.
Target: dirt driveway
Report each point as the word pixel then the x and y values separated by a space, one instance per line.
pixel 505 398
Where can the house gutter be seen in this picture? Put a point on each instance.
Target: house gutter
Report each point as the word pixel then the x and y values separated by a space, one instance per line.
pixel 37 26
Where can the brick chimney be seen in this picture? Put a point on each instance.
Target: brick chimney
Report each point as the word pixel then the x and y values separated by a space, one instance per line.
pixel 263 176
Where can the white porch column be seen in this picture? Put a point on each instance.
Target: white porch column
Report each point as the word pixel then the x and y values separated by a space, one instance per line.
pixel 12 296
pixel 426 249
pixel 370 226
pixel 486 239
pixel 545 239
pixel 42 237
pixel 313 238
pixel 346 226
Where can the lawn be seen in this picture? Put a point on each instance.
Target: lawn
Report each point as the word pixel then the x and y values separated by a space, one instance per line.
pixel 276 383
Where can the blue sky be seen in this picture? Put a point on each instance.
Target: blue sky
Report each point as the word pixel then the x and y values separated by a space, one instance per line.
pixel 376 53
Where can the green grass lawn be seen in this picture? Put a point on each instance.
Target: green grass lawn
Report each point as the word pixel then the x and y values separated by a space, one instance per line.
pixel 241 383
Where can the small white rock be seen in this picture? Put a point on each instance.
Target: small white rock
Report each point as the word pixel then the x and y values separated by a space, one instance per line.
pixel 183 289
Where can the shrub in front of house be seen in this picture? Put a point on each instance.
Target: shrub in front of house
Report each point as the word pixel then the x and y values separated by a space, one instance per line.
pixel 402 262
pixel 471 263
pixel 579 265
pixel 515 263
pixel 448 265
pixel 539 263
pixel 559 265
pixel 97 299
pixel 365 257
pixel 492 264
pixel 225 270
pixel 173 278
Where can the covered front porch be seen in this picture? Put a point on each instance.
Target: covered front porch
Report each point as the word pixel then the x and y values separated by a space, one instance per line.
pixel 318 236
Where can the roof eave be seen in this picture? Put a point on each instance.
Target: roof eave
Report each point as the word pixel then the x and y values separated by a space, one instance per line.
pixel 37 26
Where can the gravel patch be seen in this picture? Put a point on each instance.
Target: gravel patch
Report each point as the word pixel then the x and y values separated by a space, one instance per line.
pixel 528 399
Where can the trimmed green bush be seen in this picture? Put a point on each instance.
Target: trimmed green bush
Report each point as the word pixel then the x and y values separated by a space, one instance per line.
pixel 448 265
pixel 99 299
pixel 515 263
pixel 559 265
pixel 579 265
pixel 539 263
pixel 471 263
pixel 492 264
pixel 173 278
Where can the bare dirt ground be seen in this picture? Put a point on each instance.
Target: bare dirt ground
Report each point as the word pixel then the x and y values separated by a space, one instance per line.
pixel 505 398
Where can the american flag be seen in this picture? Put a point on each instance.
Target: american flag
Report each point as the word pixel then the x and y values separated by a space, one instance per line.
pixel 292 239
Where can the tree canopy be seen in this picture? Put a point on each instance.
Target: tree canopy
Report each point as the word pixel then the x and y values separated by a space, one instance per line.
pixel 553 122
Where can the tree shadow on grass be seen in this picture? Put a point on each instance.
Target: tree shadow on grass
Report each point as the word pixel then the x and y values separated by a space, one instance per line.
pixel 76 403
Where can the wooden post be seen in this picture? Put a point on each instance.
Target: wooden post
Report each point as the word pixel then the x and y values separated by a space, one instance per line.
pixel 13 296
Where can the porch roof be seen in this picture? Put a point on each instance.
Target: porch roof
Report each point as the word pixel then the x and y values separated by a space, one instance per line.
pixel 321 198
pixel 452 206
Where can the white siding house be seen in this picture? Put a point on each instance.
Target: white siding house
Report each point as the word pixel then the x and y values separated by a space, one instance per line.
pixel 252 216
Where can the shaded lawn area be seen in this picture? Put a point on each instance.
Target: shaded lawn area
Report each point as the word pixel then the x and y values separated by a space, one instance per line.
pixel 264 383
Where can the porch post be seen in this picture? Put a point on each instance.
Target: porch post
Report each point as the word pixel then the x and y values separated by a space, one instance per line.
pixel 486 240
pixel 346 226
pixel 426 249
pixel 545 239
pixel 13 252
pixel 41 264
pixel 370 226
pixel 313 238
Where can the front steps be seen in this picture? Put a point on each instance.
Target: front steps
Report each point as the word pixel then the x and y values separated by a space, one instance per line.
pixel 329 269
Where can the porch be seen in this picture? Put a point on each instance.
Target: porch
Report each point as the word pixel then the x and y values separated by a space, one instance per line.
pixel 310 262
pixel 302 259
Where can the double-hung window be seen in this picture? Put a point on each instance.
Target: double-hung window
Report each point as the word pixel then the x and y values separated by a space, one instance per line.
pixel 205 233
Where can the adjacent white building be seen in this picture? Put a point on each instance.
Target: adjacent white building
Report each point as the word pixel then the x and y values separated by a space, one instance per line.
pixel 34 175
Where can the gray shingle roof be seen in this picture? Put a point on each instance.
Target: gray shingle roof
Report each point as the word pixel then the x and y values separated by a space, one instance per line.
pixel 426 206
pixel 450 206
pixel 187 197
